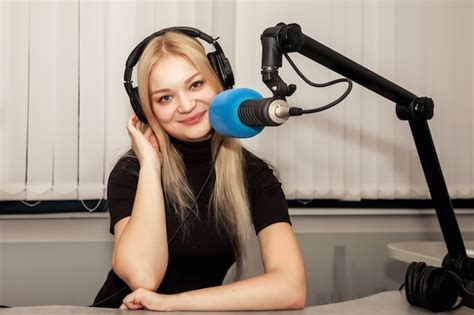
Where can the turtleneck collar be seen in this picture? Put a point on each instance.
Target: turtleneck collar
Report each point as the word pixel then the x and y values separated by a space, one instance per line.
pixel 194 153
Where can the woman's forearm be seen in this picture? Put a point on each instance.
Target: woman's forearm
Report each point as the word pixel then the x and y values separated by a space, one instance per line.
pixel 141 252
pixel 270 291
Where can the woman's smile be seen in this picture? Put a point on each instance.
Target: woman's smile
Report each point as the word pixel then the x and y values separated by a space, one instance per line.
pixel 194 119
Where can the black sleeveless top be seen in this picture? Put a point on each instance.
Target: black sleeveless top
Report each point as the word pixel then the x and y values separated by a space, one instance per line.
pixel 201 257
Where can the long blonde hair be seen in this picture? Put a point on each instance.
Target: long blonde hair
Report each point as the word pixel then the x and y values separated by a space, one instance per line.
pixel 229 197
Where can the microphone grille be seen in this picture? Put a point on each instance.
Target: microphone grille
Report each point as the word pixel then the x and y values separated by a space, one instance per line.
pixel 249 116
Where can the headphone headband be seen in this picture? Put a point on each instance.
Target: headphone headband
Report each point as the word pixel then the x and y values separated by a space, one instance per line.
pixel 134 56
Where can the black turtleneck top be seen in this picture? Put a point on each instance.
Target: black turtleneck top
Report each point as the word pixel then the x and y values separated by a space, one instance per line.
pixel 200 257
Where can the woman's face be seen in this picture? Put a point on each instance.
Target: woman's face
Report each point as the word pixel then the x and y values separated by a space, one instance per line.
pixel 180 98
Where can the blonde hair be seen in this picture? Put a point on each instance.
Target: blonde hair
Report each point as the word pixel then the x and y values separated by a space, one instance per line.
pixel 229 197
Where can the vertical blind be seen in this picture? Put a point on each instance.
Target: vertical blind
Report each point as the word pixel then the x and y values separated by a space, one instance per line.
pixel 63 108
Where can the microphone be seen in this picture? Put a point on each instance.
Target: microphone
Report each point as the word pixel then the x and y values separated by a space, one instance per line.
pixel 243 112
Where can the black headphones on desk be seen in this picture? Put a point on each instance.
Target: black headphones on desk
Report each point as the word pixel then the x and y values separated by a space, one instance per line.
pixel 217 59
pixel 436 289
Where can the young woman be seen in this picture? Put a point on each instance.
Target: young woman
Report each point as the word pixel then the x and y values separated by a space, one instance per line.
pixel 183 201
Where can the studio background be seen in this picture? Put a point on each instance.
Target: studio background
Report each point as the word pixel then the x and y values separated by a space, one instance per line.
pixel 63 111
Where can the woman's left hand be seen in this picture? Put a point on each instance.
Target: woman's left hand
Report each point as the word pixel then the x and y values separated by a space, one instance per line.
pixel 143 298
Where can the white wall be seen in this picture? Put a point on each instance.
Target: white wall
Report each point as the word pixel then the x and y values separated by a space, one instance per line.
pixel 63 107
pixel 65 260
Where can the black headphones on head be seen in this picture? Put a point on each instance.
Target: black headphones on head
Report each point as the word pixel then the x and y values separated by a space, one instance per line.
pixel 217 59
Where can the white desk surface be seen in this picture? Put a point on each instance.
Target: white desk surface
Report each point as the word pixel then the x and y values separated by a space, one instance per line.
pixel 432 253
pixel 386 303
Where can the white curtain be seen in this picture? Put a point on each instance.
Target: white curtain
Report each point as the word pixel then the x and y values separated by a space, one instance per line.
pixel 63 108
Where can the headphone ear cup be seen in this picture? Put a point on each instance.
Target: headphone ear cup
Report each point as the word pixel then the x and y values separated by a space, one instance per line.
pixel 421 289
pixel 411 277
pixel 137 105
pixel 441 290
pixel 435 289
pixel 222 68
pixel 212 60
pixel 226 69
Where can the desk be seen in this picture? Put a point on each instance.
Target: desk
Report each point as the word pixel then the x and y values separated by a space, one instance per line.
pixel 432 253
pixel 387 303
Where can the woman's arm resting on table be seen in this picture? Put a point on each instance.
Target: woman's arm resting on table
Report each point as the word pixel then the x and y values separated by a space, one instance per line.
pixel 282 286
pixel 140 256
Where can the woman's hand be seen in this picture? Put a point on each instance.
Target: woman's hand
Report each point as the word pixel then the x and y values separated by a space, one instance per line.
pixel 145 145
pixel 146 299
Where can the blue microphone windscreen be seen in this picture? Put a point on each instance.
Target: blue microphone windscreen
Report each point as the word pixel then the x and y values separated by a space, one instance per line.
pixel 224 113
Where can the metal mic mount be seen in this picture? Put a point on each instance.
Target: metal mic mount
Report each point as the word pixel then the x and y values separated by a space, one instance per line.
pixel 284 38
pixel 271 61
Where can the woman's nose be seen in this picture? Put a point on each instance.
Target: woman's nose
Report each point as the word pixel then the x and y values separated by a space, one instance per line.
pixel 186 105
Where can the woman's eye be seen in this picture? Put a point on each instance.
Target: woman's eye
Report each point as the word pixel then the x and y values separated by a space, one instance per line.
pixel 197 84
pixel 164 99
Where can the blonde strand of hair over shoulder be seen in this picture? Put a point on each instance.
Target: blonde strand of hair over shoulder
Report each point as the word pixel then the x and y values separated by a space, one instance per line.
pixel 229 196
